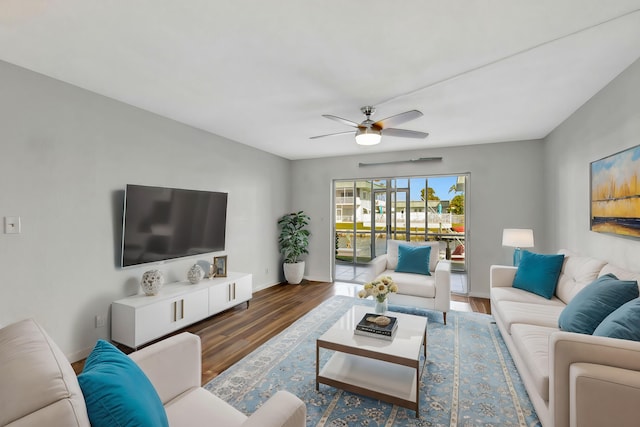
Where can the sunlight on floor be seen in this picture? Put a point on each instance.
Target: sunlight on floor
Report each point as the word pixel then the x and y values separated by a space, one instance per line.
pixel 351 290
pixel 362 274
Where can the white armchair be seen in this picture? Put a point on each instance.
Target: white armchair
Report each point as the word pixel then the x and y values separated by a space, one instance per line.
pixel 173 366
pixel 38 386
pixel 417 290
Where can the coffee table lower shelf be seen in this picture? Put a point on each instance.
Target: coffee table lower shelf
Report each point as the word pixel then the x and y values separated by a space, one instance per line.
pixel 366 376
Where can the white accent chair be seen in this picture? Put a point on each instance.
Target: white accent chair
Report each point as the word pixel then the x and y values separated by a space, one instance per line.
pixel 38 386
pixel 417 290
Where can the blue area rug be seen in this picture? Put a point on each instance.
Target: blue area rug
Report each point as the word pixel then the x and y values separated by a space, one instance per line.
pixel 469 378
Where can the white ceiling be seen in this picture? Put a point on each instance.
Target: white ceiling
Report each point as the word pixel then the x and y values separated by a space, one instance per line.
pixel 263 72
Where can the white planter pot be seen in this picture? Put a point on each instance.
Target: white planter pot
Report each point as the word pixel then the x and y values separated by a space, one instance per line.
pixel 293 272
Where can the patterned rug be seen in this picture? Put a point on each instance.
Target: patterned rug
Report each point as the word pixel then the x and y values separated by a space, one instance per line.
pixel 469 378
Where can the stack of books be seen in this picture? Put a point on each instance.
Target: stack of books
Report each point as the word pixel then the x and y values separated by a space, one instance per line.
pixel 367 327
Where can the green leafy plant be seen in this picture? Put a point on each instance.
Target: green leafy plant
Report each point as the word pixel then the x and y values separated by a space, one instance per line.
pixel 294 239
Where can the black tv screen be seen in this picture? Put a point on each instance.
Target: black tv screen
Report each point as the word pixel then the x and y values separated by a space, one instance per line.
pixel 166 223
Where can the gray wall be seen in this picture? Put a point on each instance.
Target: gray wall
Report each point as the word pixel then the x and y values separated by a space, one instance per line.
pixel 505 191
pixel 608 123
pixel 66 157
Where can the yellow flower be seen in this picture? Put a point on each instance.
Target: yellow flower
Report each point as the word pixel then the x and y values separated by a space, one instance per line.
pixel 393 288
pixel 362 294
pixel 382 288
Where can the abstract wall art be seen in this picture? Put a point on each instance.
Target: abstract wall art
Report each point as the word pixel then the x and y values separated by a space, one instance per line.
pixel 615 193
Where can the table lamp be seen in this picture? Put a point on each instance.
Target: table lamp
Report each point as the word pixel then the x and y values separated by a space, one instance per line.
pixel 517 238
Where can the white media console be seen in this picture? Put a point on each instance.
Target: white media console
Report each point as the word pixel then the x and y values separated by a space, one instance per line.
pixel 139 319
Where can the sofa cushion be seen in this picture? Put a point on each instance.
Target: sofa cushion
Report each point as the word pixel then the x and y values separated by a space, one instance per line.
pixel 623 323
pixel 117 392
pixel 193 408
pixel 538 273
pixel 512 312
pixel 392 252
pixel 504 293
pixel 39 386
pixel 532 343
pixel 620 273
pixel 413 259
pixel 413 284
pixel 595 302
pixel 577 272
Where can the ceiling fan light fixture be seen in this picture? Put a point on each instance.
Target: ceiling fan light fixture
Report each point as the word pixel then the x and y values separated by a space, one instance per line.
pixel 368 136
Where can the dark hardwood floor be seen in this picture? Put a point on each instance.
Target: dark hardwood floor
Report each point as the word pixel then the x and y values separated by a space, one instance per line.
pixel 229 336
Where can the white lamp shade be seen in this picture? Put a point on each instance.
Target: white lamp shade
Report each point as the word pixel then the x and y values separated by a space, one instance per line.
pixel 517 237
pixel 368 136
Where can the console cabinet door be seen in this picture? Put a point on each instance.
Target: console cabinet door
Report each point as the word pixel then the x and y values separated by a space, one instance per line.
pixel 156 320
pixel 220 297
pixel 243 290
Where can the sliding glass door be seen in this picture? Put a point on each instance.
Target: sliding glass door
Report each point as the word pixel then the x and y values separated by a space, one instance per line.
pixel 371 211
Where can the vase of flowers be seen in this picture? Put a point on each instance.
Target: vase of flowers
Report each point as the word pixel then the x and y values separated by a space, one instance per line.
pixel 379 289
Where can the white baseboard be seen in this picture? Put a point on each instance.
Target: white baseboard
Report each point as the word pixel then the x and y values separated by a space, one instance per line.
pixel 318 279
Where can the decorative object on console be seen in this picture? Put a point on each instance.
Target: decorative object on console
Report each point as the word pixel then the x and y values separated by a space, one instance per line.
pixel 614 193
pixel 195 274
pixel 517 238
pixel 152 281
pixel 293 241
pixel 220 266
pixel 379 289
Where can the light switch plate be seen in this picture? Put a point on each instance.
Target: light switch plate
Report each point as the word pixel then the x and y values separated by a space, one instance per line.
pixel 12 225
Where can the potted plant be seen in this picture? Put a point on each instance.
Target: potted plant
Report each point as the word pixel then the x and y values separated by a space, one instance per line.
pixel 293 240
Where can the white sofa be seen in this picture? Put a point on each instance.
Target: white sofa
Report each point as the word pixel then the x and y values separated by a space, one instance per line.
pixel 417 290
pixel 38 386
pixel 572 379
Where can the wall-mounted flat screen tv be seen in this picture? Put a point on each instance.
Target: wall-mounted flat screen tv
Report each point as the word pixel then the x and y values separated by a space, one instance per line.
pixel 166 223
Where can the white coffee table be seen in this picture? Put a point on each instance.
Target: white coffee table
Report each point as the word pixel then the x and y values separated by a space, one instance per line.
pixel 385 370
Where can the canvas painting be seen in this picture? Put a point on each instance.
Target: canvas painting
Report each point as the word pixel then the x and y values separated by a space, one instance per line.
pixel 615 193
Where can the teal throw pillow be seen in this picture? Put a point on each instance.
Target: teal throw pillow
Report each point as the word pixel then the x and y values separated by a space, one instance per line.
pixel 413 259
pixel 538 273
pixel 624 323
pixel 117 392
pixel 595 302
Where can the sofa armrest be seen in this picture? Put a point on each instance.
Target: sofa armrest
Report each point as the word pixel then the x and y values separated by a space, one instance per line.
pixel 501 275
pixel 173 365
pixel 283 409
pixel 378 265
pixel 443 286
pixel 567 349
pixel 598 392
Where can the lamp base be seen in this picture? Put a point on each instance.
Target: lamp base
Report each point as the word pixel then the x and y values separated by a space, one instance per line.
pixel 517 254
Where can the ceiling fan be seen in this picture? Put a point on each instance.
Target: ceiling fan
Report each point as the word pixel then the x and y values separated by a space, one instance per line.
pixel 370 133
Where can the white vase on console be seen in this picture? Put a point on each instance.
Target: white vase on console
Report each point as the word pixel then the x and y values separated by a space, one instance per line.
pixel 195 274
pixel 151 282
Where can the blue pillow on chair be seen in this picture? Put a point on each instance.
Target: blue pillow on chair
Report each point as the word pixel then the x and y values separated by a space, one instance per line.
pixel 624 323
pixel 595 302
pixel 117 392
pixel 413 259
pixel 538 273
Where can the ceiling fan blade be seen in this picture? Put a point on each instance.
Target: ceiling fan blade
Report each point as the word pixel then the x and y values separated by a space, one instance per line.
pixel 398 119
pixel 341 120
pixel 404 133
pixel 352 132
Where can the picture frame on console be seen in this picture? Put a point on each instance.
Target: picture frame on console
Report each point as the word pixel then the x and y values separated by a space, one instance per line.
pixel 615 193
pixel 220 266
